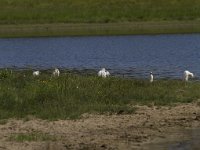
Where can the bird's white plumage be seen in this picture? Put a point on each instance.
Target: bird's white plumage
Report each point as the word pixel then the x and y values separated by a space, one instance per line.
pixel 36 73
pixel 56 72
pixel 103 73
pixel 151 77
pixel 187 74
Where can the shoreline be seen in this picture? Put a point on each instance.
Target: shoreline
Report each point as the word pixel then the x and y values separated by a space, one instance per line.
pixel 148 125
pixel 98 29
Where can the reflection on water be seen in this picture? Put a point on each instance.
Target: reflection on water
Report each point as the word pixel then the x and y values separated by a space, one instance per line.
pixel 133 56
pixel 188 139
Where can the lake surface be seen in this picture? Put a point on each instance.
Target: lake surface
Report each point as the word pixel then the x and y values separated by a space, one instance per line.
pixel 167 56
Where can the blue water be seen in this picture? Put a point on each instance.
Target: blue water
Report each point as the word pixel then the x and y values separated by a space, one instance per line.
pixel 167 56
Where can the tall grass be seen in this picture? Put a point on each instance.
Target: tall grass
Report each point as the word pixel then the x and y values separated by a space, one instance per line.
pixel 71 95
pixel 101 11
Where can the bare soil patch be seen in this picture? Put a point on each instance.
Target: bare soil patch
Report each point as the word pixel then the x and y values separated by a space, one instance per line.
pixel 103 131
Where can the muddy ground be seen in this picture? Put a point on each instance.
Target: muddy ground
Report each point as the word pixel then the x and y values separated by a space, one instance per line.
pixel 117 131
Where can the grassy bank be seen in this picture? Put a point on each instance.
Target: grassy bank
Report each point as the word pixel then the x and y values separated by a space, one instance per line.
pixel 96 11
pixel 27 18
pixel 162 27
pixel 71 95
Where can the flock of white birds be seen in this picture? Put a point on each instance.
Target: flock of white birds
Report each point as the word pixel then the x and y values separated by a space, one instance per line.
pixel 55 73
pixel 186 75
pixel 104 73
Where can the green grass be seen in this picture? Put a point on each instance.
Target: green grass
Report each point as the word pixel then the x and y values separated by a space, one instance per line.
pixel 71 95
pixel 96 11
pixel 27 18
pixel 34 136
pixel 128 28
pixel 3 121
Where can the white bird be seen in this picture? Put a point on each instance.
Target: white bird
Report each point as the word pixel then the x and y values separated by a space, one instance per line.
pixel 151 77
pixel 103 73
pixel 36 73
pixel 56 72
pixel 187 74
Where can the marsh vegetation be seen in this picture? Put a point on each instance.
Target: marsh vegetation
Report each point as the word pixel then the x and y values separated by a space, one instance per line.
pixel 71 94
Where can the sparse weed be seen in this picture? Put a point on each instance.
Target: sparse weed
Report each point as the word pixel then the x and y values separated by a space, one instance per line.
pixel 34 136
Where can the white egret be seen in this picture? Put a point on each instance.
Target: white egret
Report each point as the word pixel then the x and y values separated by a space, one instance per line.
pixel 151 77
pixel 103 73
pixel 187 74
pixel 36 73
pixel 56 72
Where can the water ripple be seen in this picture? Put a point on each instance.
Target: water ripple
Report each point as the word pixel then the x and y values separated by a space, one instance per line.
pixel 167 56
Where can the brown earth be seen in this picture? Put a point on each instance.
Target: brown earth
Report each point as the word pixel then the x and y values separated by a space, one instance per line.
pixel 118 131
